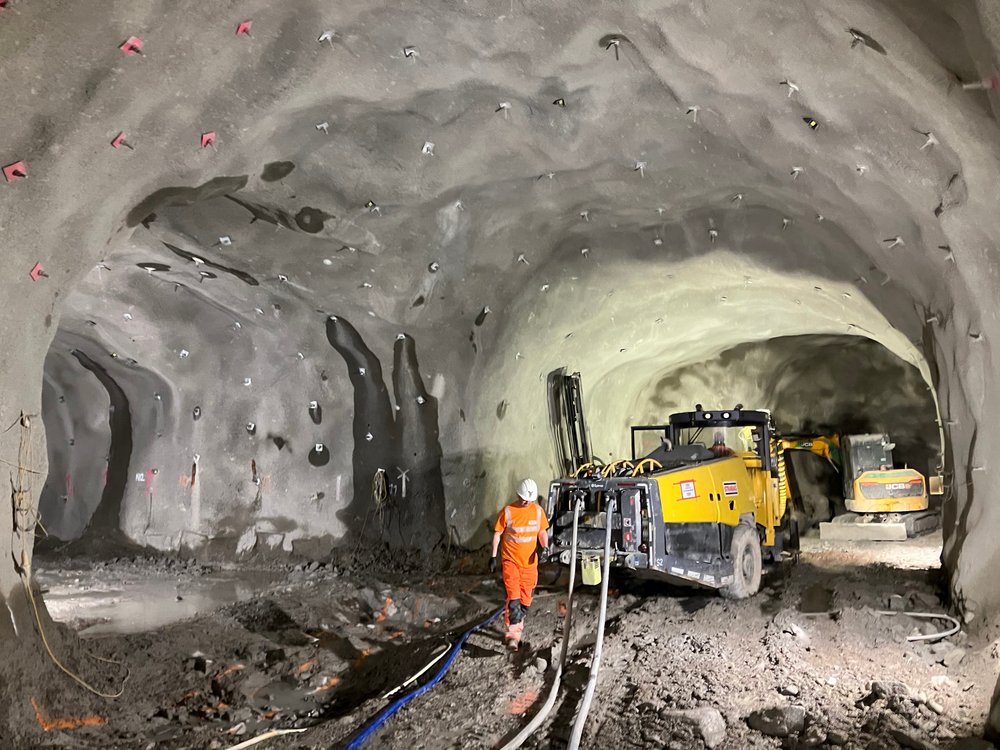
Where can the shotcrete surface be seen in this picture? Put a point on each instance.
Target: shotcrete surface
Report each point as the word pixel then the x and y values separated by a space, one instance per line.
pixel 507 190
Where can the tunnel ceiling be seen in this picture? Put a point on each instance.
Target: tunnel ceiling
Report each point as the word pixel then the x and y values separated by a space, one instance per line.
pixel 411 215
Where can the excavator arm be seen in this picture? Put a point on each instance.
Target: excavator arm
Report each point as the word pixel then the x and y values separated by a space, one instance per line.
pixel 827 446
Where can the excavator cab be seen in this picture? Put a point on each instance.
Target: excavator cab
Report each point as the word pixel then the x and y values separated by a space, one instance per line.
pixel 872 484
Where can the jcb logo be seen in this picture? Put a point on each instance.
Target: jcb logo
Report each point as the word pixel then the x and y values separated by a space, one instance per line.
pixel 896 486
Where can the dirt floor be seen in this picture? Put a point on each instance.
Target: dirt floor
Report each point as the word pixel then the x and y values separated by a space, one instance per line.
pixel 808 662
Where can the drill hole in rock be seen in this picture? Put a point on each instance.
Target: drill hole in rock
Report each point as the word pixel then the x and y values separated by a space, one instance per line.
pixel 319 455
pixel 315 412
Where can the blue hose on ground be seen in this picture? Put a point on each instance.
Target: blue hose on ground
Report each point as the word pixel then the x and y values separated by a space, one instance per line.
pixel 397 704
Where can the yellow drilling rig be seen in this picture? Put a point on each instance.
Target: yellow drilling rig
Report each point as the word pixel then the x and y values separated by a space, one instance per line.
pixel 703 506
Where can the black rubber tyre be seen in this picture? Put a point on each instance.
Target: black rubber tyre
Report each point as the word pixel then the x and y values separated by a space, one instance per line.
pixel 747 564
pixel 789 534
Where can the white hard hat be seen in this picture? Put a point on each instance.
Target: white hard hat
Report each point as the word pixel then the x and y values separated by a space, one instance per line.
pixel 527 490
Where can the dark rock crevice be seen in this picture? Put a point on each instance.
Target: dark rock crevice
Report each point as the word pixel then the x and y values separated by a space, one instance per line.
pixel 184 196
pixel 106 519
pixel 398 487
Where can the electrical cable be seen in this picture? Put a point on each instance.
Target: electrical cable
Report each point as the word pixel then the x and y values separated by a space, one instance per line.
pixel 595 662
pixel 266 736
pixel 378 506
pixel 55 660
pixel 539 718
pixel 956 626
pixel 379 492
pixel 24 458
pixel 362 736
pixel 418 674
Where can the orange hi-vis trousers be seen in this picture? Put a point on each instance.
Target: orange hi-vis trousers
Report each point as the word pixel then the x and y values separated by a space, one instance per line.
pixel 520 584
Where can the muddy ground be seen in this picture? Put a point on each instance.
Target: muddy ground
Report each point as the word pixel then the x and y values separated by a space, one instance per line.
pixel 808 662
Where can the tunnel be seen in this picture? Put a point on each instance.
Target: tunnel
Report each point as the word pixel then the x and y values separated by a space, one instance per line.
pixel 285 285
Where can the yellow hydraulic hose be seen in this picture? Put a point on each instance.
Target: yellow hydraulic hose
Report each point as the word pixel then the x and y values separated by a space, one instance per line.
pixel 610 469
pixel 782 484
pixel 653 466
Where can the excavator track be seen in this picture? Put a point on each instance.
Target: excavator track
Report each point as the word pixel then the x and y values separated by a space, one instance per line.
pixel 878 527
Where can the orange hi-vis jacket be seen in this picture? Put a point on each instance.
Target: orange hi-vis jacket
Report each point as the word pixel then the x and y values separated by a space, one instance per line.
pixel 519 527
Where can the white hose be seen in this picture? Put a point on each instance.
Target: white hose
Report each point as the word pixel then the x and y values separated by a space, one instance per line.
pixel 956 626
pixel 595 662
pixel 567 622
pixel 550 701
pixel 266 736
pixel 430 664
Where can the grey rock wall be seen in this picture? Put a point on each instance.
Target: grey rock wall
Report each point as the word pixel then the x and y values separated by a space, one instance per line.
pixel 655 221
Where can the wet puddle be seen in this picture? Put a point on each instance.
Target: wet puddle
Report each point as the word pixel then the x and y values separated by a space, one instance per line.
pixel 770 600
pixel 101 602
pixel 692 604
pixel 336 644
pixel 817 599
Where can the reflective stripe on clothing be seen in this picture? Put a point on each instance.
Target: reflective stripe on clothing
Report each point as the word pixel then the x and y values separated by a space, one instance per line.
pixel 521 534
pixel 533 526
pixel 520 526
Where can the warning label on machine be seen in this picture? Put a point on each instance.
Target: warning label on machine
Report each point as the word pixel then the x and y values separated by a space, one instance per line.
pixel 730 488
pixel 687 490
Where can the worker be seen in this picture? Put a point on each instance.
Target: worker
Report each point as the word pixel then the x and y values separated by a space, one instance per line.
pixel 520 527
pixel 719 447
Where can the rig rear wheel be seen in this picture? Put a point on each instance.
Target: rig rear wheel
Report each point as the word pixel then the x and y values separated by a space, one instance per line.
pixel 747 564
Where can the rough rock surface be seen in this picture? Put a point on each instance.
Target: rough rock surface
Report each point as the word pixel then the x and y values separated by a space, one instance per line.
pixel 778 721
pixel 708 721
pixel 676 207
pixel 993 722
pixel 524 239
pixel 315 647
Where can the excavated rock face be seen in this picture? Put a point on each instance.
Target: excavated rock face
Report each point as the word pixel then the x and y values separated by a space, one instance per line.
pixel 815 385
pixel 334 321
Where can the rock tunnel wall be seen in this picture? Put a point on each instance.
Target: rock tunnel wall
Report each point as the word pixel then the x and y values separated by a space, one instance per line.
pixel 514 193
pixel 75 410
pixel 814 385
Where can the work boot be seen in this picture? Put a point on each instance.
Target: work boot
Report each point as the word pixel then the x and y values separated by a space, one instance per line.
pixel 513 636
pixel 515 611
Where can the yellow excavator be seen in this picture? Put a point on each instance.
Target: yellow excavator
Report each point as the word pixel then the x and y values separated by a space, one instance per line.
pixel 884 503
pixel 701 501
